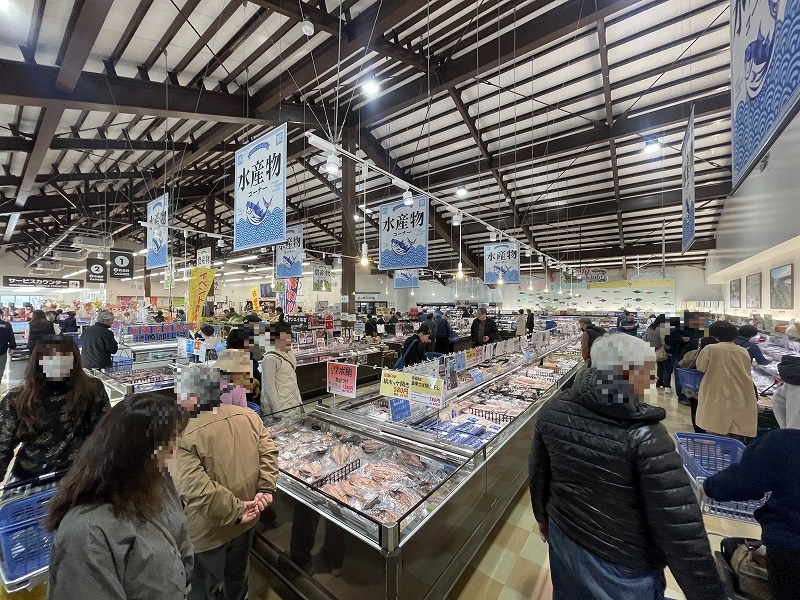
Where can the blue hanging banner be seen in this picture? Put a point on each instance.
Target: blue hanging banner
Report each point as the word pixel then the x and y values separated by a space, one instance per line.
pixel 157 232
pixel 259 201
pixel 289 254
pixel 403 235
pixel 406 278
pixel 687 152
pixel 501 260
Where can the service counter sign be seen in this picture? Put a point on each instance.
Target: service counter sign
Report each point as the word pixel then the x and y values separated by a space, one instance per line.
pixel 289 254
pixel 121 265
pixel 96 270
pixel 403 235
pixel 43 282
pixel 342 379
pixel 501 263
pixel 259 204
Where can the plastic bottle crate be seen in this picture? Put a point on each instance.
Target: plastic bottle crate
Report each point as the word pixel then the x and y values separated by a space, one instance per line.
pixel 704 455
pixel 24 543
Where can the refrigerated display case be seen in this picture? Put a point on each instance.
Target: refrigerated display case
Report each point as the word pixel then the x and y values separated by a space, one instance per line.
pixel 121 381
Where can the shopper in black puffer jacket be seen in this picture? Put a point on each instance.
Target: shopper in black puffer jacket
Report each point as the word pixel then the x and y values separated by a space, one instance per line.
pixel 609 491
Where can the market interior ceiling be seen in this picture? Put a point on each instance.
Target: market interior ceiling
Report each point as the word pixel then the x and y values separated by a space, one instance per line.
pixel 540 109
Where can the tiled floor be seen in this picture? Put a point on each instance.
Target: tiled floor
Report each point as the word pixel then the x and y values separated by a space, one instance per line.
pixel 513 564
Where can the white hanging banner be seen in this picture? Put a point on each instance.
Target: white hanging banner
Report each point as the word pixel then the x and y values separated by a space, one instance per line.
pixel 322 278
pixel 157 232
pixel 406 278
pixel 204 258
pixel 404 235
pixel 501 260
pixel 259 204
pixel 289 254
pixel 687 150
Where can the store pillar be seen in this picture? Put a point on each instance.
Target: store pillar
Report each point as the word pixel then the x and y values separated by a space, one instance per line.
pixel 349 204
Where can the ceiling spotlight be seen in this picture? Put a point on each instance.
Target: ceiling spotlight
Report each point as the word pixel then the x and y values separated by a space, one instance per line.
pixel 457 218
pixel 652 145
pixel 460 273
pixel 371 87
pixel 461 191
pixel 307 27
pixel 364 257
pixel 500 280
pixel 408 198
pixel 220 243
pixel 332 164
pixel 546 290
pixel 529 253
pixel 492 236
pixel 530 287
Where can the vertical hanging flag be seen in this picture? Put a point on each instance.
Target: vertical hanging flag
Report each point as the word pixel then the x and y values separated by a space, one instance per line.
pixel 687 150
pixel 404 235
pixel 259 202
pixel 292 287
pixel 322 278
pixel 157 232
pixel 501 260
pixel 289 254
pixel 200 282
pixel 204 258
pixel 406 278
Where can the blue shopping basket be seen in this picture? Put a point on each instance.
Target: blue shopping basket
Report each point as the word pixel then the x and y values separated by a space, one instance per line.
pixel 689 379
pixel 256 408
pixel 704 455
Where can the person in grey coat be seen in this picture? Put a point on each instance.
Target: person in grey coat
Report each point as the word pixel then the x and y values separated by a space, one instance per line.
pixel 98 342
pixel 121 533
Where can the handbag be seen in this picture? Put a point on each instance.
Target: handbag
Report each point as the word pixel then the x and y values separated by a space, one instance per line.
pixel 453 337
pixel 401 362
pixel 751 572
pixel 661 354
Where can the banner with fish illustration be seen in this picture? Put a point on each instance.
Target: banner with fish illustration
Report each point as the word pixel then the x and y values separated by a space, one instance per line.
pixel 292 288
pixel 406 278
pixel 687 152
pixel 289 254
pixel 322 278
pixel 501 263
pixel 157 232
pixel 259 201
pixel 765 77
pixel 403 235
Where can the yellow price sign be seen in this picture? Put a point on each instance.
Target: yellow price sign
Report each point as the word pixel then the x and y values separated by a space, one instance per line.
pixel 254 297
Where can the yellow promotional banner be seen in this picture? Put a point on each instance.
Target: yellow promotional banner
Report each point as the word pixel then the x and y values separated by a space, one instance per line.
pixel 200 282
pixel 254 298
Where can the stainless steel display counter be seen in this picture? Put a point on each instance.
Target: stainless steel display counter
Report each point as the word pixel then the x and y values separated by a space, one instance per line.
pixel 312 370
pixel 405 509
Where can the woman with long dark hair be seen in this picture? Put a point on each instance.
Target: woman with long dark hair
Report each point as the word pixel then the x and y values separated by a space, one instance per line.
pixel 39 327
pixel 121 530
pixel 51 413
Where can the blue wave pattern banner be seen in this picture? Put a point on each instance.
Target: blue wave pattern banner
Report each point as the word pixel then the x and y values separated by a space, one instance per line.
pixel 289 255
pixel 403 239
pixel 765 74
pixel 406 278
pixel 157 233
pixel 501 260
pixel 259 205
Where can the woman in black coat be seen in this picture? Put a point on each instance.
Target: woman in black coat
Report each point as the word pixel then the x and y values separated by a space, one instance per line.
pixel 39 327
pixel 416 346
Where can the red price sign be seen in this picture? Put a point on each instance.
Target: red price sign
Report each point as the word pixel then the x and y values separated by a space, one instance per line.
pixel 342 379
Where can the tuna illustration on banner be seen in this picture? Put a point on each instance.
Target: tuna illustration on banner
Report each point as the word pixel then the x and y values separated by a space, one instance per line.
pixel 292 287
pixel 289 254
pixel 406 278
pixel 157 232
pixel 501 263
pixel 404 235
pixel 259 204
pixel 322 278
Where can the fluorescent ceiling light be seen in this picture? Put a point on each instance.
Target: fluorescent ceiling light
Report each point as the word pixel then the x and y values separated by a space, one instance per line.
pixel 652 145
pixel 141 252
pixel 232 280
pixel 241 259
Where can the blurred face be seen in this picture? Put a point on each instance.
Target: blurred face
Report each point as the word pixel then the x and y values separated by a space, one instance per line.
pixel 57 366
pixel 642 377
pixel 283 343
pixel 424 337
pixel 188 402
pixel 109 321
pixel 481 316
pixel 631 317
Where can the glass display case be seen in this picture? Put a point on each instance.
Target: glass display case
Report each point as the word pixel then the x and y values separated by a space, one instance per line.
pixel 124 380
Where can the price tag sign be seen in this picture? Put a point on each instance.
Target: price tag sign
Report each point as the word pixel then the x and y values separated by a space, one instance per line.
pixel 461 362
pixel 479 354
pixel 477 376
pixel 472 357
pixel 399 409
pixel 528 355
pixel 342 379
pixel 427 390
pixel 395 384
pixel 488 352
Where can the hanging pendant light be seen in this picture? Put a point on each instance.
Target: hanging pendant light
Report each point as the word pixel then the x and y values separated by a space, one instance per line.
pixel 408 198
pixel 332 164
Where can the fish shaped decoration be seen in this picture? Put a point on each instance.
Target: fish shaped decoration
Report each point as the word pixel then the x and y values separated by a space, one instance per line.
pixel 257 211
pixel 501 269
pixel 401 247
pixel 288 261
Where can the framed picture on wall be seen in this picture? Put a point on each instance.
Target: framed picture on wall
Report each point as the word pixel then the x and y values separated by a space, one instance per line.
pixel 781 288
pixel 752 291
pixel 736 293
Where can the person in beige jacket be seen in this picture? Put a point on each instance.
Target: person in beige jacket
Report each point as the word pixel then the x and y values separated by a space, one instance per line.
pixel 280 395
pixel 226 472
pixel 727 397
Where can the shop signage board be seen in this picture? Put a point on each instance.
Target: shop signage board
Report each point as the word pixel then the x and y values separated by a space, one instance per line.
pixel 289 254
pixel 298 322
pixel 322 279
pixel 203 258
pixel 121 265
pixel 403 238
pixel 43 282
pixel 406 279
pixel 501 260
pixel 200 282
pixel 259 199
pixel 96 271
pixel 764 84
pixel 342 379
pixel 157 232
pixel 687 153
pixel 367 297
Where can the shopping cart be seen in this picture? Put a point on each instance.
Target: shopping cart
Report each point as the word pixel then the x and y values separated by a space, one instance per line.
pixel 25 544
pixel 702 456
pixel 689 379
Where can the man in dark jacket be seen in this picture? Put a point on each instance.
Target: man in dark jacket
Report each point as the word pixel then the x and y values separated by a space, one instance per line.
pixel 609 491
pixel 484 329
pixel 442 331
pixel 681 340
pixel 529 323
pixel 746 332
pixel 7 342
pixel 590 333
pixel 416 346
pixel 770 464
pixel 69 324
pixel 98 342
